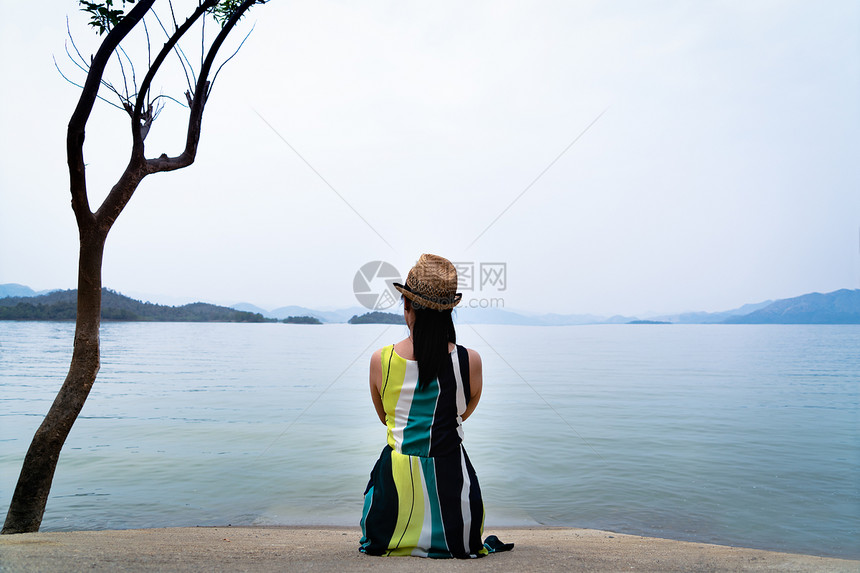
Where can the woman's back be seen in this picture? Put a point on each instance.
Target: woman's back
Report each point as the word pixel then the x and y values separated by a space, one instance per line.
pixel 424 419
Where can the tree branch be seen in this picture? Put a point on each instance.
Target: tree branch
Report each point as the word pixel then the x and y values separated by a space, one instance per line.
pixel 72 40
pixel 198 102
pixel 77 124
pixel 137 167
pixel 180 54
pixel 233 55
pixel 137 142
pixel 65 77
pixel 141 117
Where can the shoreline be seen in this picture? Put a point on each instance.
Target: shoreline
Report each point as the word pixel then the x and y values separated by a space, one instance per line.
pixel 332 548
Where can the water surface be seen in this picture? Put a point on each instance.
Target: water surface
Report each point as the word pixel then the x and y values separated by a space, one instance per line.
pixel 732 434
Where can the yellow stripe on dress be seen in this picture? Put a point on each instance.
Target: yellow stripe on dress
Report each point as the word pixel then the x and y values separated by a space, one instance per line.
pixel 410 497
pixel 393 376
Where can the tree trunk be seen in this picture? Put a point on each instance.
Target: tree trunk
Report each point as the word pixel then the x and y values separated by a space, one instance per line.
pixel 37 473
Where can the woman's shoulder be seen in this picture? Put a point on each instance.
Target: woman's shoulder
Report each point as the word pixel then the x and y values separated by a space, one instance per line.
pixel 402 349
pixel 398 349
pixel 471 351
pixel 382 350
pixel 376 360
pixel 474 357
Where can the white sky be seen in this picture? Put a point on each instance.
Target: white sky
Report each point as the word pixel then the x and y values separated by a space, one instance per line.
pixel 724 170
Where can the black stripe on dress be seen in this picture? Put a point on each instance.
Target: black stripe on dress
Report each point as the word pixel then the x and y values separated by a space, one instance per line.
pixel 476 506
pixel 463 356
pixel 382 516
pixel 450 473
pixel 444 438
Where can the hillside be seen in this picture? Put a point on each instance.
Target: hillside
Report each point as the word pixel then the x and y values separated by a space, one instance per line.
pixel 378 318
pixel 62 305
pixel 838 307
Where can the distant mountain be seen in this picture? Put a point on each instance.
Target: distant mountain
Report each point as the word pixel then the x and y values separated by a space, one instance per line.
pixel 555 319
pixel 248 307
pixel 711 317
pixel 468 315
pixel 62 305
pixel 280 313
pixel 341 315
pixel 838 307
pixel 502 316
pixel 16 290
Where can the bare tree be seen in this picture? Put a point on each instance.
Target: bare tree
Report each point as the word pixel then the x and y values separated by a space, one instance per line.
pixel 34 484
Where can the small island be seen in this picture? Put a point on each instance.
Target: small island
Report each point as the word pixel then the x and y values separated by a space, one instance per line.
pixel 648 322
pixel 301 320
pixel 377 317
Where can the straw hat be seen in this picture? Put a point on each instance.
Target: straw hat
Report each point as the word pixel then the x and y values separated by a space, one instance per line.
pixel 432 282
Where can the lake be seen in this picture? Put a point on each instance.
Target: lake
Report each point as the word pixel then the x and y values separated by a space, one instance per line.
pixel 734 434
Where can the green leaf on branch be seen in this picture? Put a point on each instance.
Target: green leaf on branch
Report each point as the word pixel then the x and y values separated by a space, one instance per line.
pixel 103 15
pixel 224 9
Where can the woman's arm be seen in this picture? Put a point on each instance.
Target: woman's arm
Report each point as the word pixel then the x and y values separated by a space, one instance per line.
pixel 476 382
pixel 376 384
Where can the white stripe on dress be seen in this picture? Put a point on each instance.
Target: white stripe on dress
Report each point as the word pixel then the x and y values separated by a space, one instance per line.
pixel 404 404
pixel 425 539
pixel 461 392
pixel 464 502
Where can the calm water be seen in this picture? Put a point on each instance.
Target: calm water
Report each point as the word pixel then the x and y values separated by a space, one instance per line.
pixel 744 435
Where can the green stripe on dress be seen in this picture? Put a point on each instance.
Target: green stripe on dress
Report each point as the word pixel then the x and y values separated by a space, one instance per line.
pixel 416 435
pixel 437 535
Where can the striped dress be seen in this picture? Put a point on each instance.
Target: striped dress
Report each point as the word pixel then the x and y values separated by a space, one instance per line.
pixel 423 496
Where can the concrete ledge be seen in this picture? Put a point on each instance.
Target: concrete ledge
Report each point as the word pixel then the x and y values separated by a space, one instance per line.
pixel 336 549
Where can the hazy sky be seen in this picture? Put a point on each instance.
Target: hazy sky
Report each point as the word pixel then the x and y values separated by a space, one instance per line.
pixel 723 169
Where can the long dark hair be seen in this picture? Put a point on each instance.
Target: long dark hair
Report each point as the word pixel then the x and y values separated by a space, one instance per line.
pixel 431 333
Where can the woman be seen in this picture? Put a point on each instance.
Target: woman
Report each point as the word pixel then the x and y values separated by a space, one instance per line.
pixel 423 496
